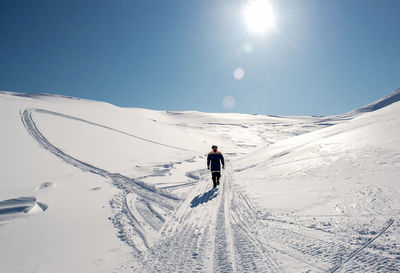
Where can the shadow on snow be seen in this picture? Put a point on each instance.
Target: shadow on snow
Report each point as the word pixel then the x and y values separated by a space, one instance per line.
pixel 204 198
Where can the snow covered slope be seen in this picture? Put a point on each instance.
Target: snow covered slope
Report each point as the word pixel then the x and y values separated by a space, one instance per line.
pixel 383 102
pixel 90 187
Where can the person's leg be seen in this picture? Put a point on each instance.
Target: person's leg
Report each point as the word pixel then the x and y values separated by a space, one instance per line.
pixel 218 177
pixel 214 179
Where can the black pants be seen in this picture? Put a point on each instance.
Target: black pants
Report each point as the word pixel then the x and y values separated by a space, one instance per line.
pixel 215 178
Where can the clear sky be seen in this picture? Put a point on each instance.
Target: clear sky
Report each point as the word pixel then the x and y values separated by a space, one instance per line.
pixel 320 57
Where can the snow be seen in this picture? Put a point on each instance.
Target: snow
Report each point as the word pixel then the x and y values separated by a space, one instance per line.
pixel 90 187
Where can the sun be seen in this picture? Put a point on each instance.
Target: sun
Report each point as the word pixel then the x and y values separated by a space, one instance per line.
pixel 259 16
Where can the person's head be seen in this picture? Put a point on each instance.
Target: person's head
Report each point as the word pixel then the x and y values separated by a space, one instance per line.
pixel 214 147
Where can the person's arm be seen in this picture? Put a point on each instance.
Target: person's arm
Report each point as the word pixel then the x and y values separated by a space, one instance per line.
pixel 208 161
pixel 222 161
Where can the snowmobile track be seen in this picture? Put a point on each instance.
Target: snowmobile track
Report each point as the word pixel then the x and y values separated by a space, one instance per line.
pixel 223 260
pixel 130 229
pixel 135 217
pixel 385 263
pixel 253 256
pixel 214 230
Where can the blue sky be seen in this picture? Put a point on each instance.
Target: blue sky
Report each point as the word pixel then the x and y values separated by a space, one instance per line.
pixel 323 57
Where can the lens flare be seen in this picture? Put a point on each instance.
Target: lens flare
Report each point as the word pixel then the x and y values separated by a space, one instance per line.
pixel 248 47
pixel 229 102
pixel 238 74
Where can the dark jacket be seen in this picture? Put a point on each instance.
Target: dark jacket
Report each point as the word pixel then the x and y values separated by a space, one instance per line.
pixel 215 158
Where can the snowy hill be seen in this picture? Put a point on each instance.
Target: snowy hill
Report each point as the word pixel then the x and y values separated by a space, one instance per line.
pixel 90 187
pixel 383 102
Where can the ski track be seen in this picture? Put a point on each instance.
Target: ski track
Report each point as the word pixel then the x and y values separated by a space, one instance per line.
pixel 213 230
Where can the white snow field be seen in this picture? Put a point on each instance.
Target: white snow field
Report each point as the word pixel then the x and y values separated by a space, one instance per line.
pixel 86 186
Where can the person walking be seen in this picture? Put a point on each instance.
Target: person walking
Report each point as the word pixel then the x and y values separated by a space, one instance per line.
pixel 214 160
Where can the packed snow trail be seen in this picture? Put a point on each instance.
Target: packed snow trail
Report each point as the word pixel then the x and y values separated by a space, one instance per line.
pixel 206 234
pixel 213 230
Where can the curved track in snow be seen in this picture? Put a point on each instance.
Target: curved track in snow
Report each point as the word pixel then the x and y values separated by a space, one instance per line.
pixel 130 225
pixel 212 230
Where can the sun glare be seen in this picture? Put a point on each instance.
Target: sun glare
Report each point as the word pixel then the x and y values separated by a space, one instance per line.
pixel 259 16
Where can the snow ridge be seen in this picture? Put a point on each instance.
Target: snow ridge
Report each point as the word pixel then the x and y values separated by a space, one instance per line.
pixel 18 207
pixel 381 103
